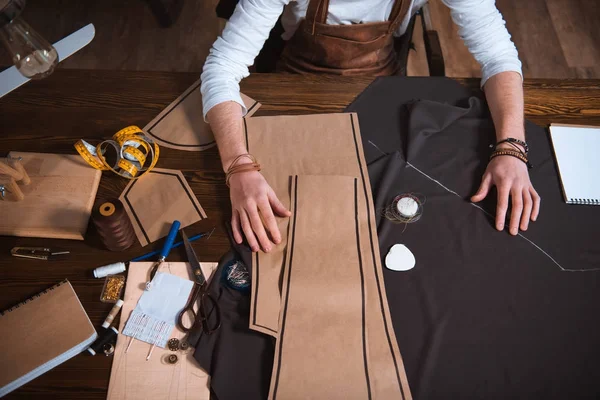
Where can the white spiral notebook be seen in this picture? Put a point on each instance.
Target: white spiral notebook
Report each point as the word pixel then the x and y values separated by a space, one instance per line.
pixel 577 150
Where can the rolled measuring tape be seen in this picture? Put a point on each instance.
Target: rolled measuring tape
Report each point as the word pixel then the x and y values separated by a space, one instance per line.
pixel 132 151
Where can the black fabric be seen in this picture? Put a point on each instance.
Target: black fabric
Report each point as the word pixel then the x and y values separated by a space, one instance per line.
pixel 483 314
pixel 238 359
pixel 382 113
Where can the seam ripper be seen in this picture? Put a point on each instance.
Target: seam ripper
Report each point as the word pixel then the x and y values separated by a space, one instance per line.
pixel 164 252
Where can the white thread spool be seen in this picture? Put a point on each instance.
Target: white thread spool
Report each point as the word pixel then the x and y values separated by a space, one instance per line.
pixel 407 207
pixel 110 269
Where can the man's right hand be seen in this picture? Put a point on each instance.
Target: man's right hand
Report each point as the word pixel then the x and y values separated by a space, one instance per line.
pixel 253 202
pixel 253 206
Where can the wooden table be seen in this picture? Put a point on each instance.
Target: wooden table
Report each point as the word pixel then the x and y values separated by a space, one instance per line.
pixel 49 115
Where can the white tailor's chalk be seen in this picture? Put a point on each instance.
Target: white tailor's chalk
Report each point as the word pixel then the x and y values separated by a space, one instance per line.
pixel 400 258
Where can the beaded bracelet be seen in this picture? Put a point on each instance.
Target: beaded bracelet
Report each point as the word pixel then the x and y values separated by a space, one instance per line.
pixel 512 153
pixel 512 141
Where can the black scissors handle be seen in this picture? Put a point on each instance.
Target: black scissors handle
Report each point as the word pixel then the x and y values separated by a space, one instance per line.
pixel 189 309
pixel 214 309
pixel 199 294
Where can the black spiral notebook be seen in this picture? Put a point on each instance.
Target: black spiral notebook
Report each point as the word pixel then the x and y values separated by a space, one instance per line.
pixel 576 150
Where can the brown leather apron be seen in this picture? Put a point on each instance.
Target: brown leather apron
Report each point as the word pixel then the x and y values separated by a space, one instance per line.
pixel 358 49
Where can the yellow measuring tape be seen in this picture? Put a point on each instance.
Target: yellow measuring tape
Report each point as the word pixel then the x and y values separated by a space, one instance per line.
pixel 132 149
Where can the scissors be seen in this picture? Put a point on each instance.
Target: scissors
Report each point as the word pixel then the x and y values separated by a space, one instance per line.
pixel 199 292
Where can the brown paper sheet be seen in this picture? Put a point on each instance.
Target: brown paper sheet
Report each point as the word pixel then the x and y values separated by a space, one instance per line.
pixel 321 350
pixel 181 125
pixel 132 377
pixel 155 200
pixel 326 144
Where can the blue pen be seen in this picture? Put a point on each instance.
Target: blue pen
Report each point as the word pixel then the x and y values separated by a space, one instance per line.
pixel 165 251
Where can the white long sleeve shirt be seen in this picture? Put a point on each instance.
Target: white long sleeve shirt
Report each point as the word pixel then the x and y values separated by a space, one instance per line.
pixel 481 26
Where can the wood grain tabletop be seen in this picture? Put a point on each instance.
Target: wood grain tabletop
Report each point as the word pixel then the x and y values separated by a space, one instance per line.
pixel 51 114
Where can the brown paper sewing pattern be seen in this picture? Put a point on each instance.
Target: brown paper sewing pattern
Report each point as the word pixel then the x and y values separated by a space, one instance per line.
pixel 326 144
pixel 181 125
pixel 154 201
pixel 321 349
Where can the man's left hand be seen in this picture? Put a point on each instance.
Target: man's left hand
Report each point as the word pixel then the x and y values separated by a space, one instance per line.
pixel 511 178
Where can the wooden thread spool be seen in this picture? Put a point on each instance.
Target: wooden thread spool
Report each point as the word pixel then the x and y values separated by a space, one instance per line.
pixel 113 225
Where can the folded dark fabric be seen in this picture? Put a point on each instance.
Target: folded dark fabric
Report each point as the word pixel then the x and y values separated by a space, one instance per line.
pixel 483 314
pixel 238 359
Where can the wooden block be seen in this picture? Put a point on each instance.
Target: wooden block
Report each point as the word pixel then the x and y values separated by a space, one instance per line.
pixel 57 203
